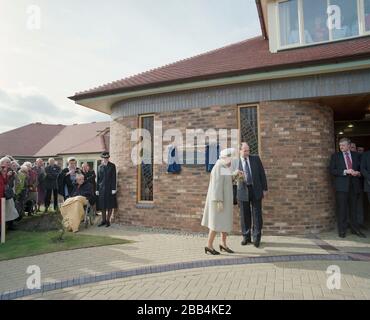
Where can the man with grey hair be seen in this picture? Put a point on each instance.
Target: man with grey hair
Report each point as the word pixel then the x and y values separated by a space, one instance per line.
pixel 345 167
pixel 250 193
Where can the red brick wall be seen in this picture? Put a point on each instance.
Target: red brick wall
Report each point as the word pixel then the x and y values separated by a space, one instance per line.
pixel 296 139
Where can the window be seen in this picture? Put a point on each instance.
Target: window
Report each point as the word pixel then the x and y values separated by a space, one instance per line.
pixel 302 22
pixel 349 19
pixel 367 15
pixel 315 17
pixel 248 124
pixel 146 171
pixel 289 25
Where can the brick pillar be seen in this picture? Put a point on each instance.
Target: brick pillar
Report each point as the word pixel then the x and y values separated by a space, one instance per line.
pixel 297 140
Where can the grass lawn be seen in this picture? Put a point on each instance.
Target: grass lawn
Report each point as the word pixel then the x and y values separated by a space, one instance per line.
pixel 25 243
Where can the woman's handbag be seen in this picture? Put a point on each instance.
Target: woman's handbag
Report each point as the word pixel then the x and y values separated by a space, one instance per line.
pixel 8 193
pixel 235 191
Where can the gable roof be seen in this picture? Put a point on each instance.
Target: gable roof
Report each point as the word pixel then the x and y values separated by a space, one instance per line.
pixel 249 56
pixel 44 140
pixel 27 140
pixel 77 139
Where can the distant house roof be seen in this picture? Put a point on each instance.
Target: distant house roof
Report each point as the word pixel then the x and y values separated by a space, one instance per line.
pixel 249 56
pixel 77 139
pixel 28 140
pixel 43 140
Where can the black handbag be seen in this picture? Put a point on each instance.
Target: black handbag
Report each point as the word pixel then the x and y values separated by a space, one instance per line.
pixel 235 191
pixel 8 193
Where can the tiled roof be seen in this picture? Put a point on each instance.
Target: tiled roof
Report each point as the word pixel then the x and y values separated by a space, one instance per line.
pixel 76 139
pixel 248 56
pixel 27 140
pixel 42 140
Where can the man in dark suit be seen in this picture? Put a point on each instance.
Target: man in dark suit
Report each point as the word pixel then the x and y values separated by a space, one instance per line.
pixel 345 167
pixel 365 171
pixel 250 193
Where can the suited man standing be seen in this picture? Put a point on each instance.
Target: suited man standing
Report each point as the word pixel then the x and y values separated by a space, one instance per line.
pixel 250 193
pixel 345 167
pixel 365 171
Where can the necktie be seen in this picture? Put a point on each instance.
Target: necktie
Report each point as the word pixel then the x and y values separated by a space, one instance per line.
pixel 349 162
pixel 248 171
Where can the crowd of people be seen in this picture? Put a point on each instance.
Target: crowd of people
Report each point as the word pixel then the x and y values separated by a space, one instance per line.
pixel 28 187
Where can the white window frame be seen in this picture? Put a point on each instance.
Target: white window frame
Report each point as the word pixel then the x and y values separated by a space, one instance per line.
pixel 361 22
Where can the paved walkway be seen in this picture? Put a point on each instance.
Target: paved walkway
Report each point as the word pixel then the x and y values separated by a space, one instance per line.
pixel 158 262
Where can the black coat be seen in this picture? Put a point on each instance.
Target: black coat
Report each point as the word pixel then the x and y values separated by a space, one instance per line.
pixel 64 180
pixel 337 167
pixel 90 177
pixel 85 190
pixel 365 170
pixel 51 177
pixel 107 182
pixel 258 177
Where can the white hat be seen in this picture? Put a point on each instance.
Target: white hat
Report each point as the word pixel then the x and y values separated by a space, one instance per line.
pixel 227 153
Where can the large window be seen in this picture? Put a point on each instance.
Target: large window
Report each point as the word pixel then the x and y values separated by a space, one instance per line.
pixel 315 17
pixel 349 19
pixel 145 179
pixel 367 15
pixel 248 124
pixel 304 22
pixel 289 26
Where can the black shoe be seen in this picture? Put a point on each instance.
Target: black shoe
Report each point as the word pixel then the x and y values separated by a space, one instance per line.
pixel 211 251
pixel 46 210
pixel 257 243
pixel 108 224
pixel 226 249
pixel 358 233
pixel 103 223
pixel 342 235
pixel 246 241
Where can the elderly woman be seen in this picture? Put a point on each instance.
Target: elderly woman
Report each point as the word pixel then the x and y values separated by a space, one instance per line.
pixel 72 209
pixel 218 211
pixel 21 189
pixel 40 170
pixel 7 177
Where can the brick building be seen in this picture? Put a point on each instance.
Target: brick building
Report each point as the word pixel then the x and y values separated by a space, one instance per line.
pixel 292 92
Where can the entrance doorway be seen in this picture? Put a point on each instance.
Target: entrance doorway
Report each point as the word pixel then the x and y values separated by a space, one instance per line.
pixel 352 120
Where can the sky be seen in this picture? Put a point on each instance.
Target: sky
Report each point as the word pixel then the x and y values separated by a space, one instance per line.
pixel 50 49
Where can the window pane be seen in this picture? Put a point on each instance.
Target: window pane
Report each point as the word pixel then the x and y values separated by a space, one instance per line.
pixel 289 26
pixel 349 19
pixel 249 127
pixel 146 172
pixel 367 15
pixel 315 18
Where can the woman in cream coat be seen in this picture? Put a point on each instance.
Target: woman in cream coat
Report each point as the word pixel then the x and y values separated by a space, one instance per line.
pixel 218 211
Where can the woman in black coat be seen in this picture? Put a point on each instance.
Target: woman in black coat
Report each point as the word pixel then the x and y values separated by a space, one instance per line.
pixel 106 189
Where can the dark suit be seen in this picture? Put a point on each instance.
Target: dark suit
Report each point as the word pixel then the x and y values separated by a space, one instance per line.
pixel 365 171
pixel 250 199
pixel 51 186
pixel 347 189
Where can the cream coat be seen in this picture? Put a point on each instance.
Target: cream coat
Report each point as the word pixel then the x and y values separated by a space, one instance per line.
pixel 220 189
